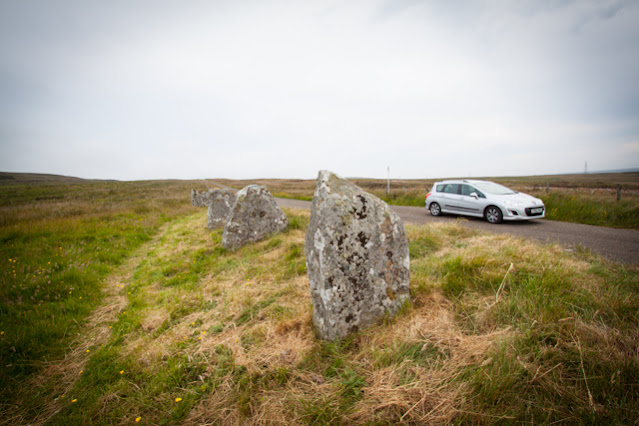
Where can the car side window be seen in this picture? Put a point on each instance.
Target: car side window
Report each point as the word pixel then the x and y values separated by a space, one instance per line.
pixel 451 188
pixel 466 190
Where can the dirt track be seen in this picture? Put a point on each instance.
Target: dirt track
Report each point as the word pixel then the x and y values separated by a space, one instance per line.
pixel 621 245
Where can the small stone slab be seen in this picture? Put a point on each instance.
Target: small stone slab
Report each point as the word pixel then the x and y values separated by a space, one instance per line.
pixel 201 198
pixel 254 215
pixel 357 258
pixel 219 208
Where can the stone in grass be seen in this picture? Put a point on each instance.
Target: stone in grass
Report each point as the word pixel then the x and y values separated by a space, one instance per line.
pixel 201 198
pixel 219 208
pixel 357 258
pixel 254 215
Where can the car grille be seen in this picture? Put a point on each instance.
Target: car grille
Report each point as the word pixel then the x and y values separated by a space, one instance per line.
pixel 538 211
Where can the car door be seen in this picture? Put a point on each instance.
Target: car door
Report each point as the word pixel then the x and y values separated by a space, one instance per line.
pixel 471 204
pixel 451 198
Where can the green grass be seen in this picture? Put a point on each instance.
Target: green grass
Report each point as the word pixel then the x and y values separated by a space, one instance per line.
pixel 58 244
pixel 401 199
pixel 50 279
pixel 592 211
pixel 168 283
pixel 191 333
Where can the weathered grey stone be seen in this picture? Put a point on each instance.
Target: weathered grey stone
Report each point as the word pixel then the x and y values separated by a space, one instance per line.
pixel 357 258
pixel 254 215
pixel 220 207
pixel 201 198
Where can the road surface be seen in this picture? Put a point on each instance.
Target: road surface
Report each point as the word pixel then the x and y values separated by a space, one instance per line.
pixel 621 245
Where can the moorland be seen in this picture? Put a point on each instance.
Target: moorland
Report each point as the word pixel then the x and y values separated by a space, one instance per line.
pixel 117 305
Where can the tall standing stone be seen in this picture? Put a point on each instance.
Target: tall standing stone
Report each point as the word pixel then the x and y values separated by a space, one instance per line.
pixel 254 215
pixel 219 208
pixel 357 258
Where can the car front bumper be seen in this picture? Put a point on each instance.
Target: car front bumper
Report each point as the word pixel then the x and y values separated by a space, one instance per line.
pixel 524 213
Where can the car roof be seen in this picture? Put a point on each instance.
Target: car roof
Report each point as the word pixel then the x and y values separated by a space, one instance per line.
pixel 462 181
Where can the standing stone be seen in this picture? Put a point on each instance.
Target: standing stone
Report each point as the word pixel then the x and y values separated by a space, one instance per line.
pixel 218 212
pixel 356 256
pixel 254 215
pixel 201 198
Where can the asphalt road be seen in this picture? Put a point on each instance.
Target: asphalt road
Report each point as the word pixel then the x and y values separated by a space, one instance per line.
pixel 621 245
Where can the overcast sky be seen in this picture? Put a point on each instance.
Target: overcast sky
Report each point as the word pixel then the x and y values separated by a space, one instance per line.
pixel 150 89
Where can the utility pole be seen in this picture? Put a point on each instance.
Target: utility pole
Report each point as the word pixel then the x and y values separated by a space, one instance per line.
pixel 388 180
pixel 586 168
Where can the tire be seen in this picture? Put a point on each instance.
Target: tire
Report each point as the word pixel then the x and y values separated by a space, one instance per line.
pixel 493 214
pixel 435 209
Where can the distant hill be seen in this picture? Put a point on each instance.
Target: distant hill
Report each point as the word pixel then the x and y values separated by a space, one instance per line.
pixel 22 178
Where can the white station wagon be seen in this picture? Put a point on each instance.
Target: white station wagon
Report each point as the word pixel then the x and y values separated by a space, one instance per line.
pixel 483 198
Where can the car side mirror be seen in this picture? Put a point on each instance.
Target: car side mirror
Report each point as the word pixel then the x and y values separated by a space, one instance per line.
pixel 474 195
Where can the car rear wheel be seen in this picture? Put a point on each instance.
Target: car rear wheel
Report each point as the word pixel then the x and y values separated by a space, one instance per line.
pixel 493 214
pixel 435 209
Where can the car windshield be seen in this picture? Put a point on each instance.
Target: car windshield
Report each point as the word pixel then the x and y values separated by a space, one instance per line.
pixel 493 188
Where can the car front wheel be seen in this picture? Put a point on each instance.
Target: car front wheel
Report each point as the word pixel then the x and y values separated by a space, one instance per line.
pixel 493 214
pixel 435 209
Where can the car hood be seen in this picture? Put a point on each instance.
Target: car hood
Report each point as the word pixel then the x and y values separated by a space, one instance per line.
pixel 520 198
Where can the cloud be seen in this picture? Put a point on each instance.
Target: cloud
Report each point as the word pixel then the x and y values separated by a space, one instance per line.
pixel 280 89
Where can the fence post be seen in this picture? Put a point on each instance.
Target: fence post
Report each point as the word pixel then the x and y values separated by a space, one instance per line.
pixel 547 189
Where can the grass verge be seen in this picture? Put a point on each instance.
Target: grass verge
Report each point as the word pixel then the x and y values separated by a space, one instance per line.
pixel 600 211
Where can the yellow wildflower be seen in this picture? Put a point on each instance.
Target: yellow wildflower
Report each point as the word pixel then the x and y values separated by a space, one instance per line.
pixel 81 371
pixel 88 350
pixel 74 400
pixel 137 419
pixel 121 371
pixel 178 399
pixel 1 333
